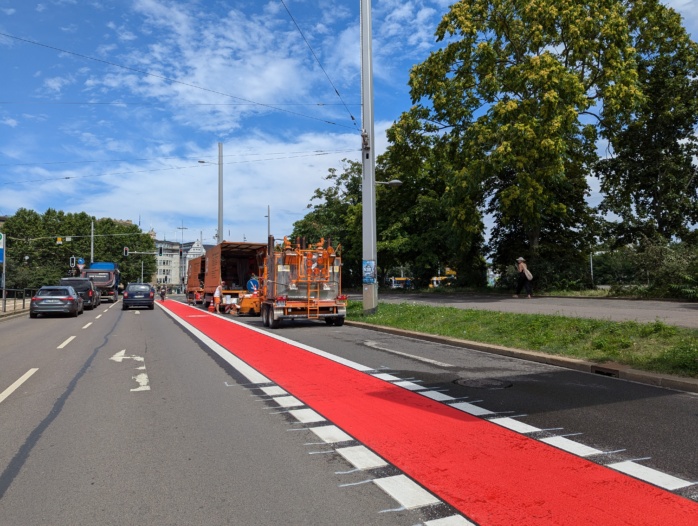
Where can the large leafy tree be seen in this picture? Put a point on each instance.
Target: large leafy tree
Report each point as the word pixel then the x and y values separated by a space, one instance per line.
pixel 36 257
pixel 651 179
pixel 517 96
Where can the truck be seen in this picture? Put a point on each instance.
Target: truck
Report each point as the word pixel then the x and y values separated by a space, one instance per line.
pixel 277 282
pixel 233 263
pixel 106 277
pixel 302 281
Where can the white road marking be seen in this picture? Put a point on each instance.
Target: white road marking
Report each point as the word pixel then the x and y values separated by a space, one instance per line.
pixel 386 377
pixel 98 316
pixel 142 380
pixel 650 475
pixel 435 395
pixel 7 392
pixel 306 416
pixel 331 434
pixel 571 446
pixel 274 390
pixel 66 342
pixel 472 409
pixel 514 425
pixel 374 345
pixel 406 492
pixel 86 326
pixel 288 401
pixel 121 356
pixel 410 386
pixel 453 520
pixel 361 457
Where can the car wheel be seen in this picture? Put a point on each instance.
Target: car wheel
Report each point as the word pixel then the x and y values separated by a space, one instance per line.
pixel 33 314
pixel 124 307
pixel 151 307
pixel 329 321
pixel 75 314
pixel 339 321
pixel 273 324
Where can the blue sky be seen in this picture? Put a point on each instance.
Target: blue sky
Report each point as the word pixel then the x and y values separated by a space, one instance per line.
pixel 106 107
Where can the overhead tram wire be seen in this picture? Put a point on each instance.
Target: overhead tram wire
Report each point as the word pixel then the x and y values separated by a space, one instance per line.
pixel 168 79
pixel 353 119
pixel 68 177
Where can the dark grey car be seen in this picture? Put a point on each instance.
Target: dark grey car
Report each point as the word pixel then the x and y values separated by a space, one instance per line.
pixel 138 295
pixel 57 299
pixel 89 293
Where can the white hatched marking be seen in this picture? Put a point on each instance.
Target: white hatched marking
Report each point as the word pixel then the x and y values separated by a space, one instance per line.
pixel 331 434
pixel 411 386
pixel 435 395
pixel 288 401
pixel 387 377
pixel 361 457
pixel 306 416
pixel 274 391
pixel 472 409
pixel 406 492
pixel 650 475
pixel 571 446
pixel 514 425
pixel 453 520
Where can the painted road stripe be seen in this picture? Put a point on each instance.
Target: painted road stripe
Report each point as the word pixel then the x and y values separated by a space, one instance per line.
pixel 361 457
pixel 571 446
pixel 288 401
pixel 86 326
pixel 306 416
pixel 408 493
pixel 650 475
pixel 274 390
pixel 66 342
pixel 374 345
pixel 435 395
pixel 411 386
pixel 514 425
pixel 386 377
pixel 7 392
pixel 471 409
pixel 331 434
pixel 453 520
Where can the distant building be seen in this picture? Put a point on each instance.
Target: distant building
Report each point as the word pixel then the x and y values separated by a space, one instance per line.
pixel 168 264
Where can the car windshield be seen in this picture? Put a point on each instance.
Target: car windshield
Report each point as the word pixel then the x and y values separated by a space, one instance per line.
pixel 53 292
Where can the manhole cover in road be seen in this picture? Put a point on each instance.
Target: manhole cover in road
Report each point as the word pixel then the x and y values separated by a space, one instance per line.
pixel 483 383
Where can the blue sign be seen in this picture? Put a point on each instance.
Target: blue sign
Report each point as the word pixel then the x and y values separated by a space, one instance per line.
pixel 2 248
pixel 81 261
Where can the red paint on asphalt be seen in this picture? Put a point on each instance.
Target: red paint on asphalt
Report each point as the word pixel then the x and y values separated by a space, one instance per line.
pixel 492 475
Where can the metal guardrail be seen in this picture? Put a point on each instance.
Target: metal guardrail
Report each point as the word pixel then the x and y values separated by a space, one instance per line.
pixel 16 300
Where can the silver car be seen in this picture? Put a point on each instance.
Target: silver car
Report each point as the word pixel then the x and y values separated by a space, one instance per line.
pixel 59 299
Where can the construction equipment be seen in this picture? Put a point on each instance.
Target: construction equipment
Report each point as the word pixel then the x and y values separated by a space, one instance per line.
pixel 301 282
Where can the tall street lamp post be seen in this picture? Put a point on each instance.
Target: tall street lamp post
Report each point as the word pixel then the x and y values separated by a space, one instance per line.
pixel 219 235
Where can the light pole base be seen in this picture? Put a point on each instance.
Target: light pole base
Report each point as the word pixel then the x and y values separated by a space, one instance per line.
pixel 370 298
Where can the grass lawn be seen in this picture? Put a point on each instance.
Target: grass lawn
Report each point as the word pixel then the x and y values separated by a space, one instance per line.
pixel 647 346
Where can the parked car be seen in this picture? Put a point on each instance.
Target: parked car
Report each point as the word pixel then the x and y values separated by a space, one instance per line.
pixel 138 295
pixel 89 293
pixel 57 299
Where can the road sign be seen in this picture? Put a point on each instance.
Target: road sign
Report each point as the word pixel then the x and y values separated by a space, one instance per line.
pixel 2 248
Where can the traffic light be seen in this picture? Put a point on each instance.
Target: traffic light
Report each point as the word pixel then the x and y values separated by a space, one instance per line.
pixel 160 251
pixel 180 252
pixel 72 261
pixel 125 251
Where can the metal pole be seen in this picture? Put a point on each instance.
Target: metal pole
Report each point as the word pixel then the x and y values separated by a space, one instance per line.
pixel 220 193
pixel 368 194
pixel 4 260
pixel 268 222
pixel 92 244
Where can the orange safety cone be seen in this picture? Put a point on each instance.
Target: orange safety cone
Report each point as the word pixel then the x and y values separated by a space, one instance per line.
pixel 211 307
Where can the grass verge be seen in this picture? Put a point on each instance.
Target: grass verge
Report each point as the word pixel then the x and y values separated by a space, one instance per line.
pixel 653 347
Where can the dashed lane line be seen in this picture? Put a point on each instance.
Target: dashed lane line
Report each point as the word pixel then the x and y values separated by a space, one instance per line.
pixel 7 392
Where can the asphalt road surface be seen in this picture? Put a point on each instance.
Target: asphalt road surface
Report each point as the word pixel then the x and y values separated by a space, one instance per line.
pixel 131 417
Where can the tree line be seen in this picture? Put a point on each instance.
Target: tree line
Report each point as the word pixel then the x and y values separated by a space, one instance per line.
pixel 34 256
pixel 524 106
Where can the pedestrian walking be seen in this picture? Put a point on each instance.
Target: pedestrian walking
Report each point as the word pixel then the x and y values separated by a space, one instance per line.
pixel 524 278
pixel 217 297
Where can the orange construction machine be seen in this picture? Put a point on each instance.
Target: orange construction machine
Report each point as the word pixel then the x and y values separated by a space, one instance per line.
pixel 301 282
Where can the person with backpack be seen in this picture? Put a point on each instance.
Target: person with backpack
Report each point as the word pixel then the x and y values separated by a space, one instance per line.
pixel 524 278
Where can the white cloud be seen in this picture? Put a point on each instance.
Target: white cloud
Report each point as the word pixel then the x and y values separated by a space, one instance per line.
pixel 7 121
pixel 8 11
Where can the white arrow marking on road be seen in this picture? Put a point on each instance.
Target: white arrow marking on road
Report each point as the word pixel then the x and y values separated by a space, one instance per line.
pixel 142 380
pixel 121 356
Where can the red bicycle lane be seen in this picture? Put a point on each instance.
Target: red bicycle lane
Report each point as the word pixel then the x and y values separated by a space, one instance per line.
pixel 492 475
